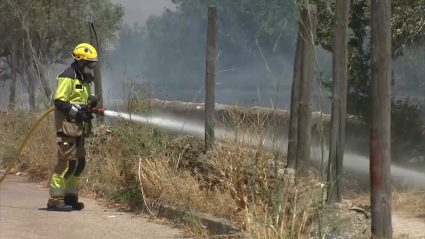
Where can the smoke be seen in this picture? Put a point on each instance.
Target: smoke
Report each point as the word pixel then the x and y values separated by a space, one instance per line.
pixel 171 56
pixel 354 165
pixel 138 11
pixel 177 69
pixel 169 52
pixel 175 63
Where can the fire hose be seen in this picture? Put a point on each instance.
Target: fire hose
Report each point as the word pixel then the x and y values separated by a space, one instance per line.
pixel 158 121
pixel 98 111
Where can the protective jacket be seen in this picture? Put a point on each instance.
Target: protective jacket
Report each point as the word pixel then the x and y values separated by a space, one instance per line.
pixel 72 89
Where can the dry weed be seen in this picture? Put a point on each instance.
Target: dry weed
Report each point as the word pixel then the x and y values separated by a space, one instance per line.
pixel 36 157
pixel 231 181
pixel 404 202
pixel 137 165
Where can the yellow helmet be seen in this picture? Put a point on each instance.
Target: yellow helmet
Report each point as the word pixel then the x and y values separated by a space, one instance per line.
pixel 85 51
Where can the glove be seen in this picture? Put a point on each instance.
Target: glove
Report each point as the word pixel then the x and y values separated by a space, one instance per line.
pixel 93 101
pixel 83 116
pixel 82 107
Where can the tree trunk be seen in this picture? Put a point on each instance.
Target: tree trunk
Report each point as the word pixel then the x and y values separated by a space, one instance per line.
pixel 31 88
pixel 44 83
pixel 32 80
pixel 14 76
pixel 339 99
pixel 309 19
pixel 295 97
pixel 37 72
pixel 380 133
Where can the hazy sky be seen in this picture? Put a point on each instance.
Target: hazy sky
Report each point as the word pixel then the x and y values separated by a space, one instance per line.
pixel 139 10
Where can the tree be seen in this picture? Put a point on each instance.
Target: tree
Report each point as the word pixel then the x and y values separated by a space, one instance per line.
pixel 171 50
pixel 407 31
pixel 48 30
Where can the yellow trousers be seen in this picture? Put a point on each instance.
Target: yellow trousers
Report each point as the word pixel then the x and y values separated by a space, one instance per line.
pixel 70 165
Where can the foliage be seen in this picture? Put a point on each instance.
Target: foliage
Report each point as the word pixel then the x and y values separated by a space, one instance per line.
pixel 407 130
pixel 55 27
pixel 358 54
pixel 407 31
pixel 46 32
pixel 411 69
pixel 171 48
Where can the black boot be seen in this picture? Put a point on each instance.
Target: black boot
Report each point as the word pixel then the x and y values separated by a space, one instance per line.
pixel 72 200
pixel 58 205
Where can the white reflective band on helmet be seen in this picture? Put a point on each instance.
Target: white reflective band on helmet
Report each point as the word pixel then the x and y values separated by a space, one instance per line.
pixel 73 111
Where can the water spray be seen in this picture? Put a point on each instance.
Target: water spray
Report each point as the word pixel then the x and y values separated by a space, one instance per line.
pixel 168 124
pixel 357 164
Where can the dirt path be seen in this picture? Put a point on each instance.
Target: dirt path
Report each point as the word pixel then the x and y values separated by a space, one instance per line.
pixel 409 227
pixel 23 216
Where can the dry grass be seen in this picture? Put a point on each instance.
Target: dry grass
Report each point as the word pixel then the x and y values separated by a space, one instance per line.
pixel 136 165
pixel 405 202
pixel 36 158
pixel 409 202
pixel 408 211
pixel 232 181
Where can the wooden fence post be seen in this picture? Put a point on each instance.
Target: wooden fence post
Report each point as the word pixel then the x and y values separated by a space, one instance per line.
pixel 339 101
pixel 295 97
pixel 309 19
pixel 210 77
pixel 380 132
pixel 94 41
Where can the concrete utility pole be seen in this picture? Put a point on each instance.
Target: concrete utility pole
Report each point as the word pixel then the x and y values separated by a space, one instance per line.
pixel 339 99
pixel 210 77
pixel 380 132
pixel 309 19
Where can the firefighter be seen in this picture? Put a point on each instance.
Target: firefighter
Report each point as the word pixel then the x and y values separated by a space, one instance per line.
pixel 73 99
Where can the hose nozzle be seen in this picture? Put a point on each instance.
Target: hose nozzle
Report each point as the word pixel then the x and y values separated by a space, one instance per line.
pixel 98 111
